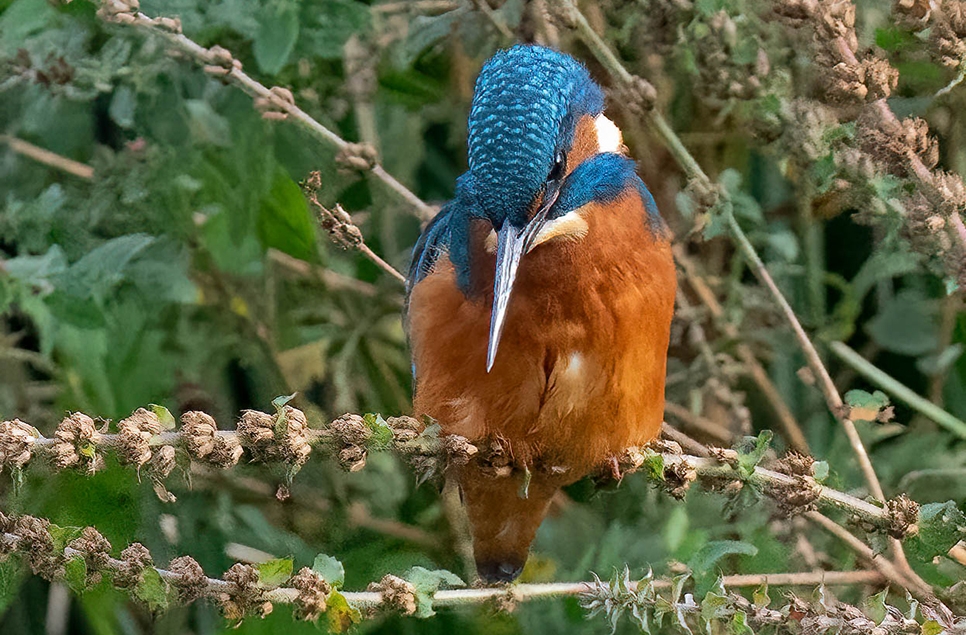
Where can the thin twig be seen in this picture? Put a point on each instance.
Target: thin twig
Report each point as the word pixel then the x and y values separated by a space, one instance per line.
pixel 48 158
pixel 789 425
pixel 219 62
pixel 699 423
pixel 341 229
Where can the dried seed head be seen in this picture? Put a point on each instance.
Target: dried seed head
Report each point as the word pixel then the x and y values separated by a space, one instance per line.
pixel 795 464
pixel 678 477
pixel 97 553
pixel 903 516
pixel 397 594
pixel 135 559
pixel 313 592
pixel 16 443
pixel 352 458
pixel 357 157
pixel 198 432
pixel 134 436
pixel 458 449
pixel 283 437
pixel 404 428
pixel 798 497
pixel 351 429
pixel 193 583
pixel 36 544
pixel 75 444
pixel 912 14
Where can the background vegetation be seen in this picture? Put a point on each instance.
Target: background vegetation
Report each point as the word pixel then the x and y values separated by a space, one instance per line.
pixel 162 251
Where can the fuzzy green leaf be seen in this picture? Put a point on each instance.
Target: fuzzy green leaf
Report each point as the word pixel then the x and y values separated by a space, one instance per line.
pixel 864 406
pixel 152 590
pixel 164 416
pixel 277 36
pixel 751 450
pixel 275 572
pixel 62 536
pixel 426 583
pixel 709 555
pixel 340 614
pixel 330 569
pixel 381 432
pixel 75 573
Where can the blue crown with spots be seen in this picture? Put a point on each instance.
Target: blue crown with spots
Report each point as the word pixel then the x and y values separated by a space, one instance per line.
pixel 526 105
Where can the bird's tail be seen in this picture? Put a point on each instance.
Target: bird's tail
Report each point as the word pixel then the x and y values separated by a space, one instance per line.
pixel 504 523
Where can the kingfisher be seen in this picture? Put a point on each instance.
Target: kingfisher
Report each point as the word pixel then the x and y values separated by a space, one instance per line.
pixel 540 298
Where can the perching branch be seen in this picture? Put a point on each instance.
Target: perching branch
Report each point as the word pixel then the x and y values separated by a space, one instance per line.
pixel 242 591
pixel 147 440
pixel 275 102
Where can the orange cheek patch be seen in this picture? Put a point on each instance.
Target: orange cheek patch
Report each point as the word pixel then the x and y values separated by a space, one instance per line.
pixel 585 143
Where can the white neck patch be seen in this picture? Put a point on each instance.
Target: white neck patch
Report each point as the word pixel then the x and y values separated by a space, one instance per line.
pixel 609 138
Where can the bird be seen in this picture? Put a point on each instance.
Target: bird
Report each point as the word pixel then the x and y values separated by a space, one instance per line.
pixel 539 299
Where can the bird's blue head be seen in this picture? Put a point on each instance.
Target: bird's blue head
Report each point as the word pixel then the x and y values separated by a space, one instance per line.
pixel 526 107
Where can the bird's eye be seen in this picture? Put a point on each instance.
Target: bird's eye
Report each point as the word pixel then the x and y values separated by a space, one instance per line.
pixel 559 166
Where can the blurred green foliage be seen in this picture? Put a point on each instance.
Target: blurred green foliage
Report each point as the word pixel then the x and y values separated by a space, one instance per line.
pixel 188 272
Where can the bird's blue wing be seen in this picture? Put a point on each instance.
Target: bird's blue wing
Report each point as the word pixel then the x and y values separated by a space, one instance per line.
pixel 433 241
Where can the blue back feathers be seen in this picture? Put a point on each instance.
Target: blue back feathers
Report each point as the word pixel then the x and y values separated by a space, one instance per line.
pixel 526 106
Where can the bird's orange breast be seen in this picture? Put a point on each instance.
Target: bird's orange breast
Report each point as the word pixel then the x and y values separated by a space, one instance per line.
pixel 581 366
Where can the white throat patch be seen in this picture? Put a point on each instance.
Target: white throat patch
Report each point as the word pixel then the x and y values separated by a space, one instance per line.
pixel 609 138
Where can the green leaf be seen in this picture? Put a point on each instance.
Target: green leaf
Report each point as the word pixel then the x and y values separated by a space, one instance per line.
pixel 864 406
pixel 709 555
pixel 751 450
pixel 275 572
pixel 75 573
pixel 206 125
pixel 715 606
pixel 152 590
pixel 932 627
pixel 381 432
pixel 63 536
pixel 100 270
pixel 654 466
pixel 277 36
pixel 906 324
pixel 875 607
pixel 123 105
pixel 340 614
pixel 281 401
pixel 38 271
pixel 941 525
pixel 164 416
pixel 760 597
pixel 330 569
pixel 12 575
pixel 739 625
pixel 284 221
pixel 426 583
pixel 820 471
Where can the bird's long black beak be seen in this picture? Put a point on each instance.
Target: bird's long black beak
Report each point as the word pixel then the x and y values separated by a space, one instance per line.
pixel 512 242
